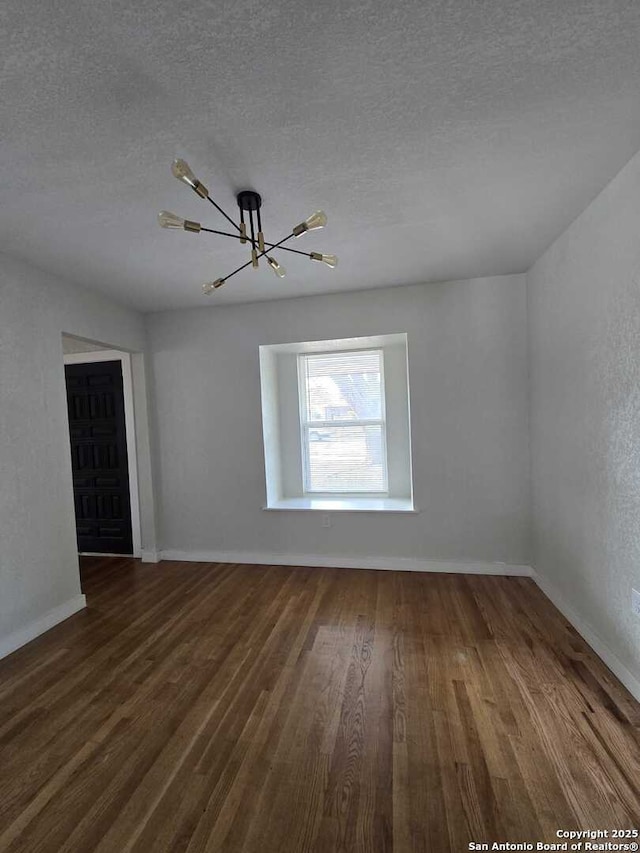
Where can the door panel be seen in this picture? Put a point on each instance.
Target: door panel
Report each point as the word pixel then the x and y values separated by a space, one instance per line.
pixel 99 462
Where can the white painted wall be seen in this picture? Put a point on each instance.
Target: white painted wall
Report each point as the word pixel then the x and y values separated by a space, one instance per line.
pixel 39 582
pixel 469 413
pixel 71 346
pixel 584 329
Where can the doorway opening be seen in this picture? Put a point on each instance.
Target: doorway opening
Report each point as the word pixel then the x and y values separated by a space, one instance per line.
pixel 103 448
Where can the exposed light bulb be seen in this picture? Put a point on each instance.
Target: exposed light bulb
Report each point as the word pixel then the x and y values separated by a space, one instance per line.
pixel 166 219
pixel 278 269
pixel 316 220
pixel 329 260
pixel 210 286
pixel 182 171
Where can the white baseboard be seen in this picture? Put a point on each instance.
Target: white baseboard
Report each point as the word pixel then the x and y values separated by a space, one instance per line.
pixel 150 556
pixel 103 554
pixel 399 564
pixel 622 672
pixel 39 626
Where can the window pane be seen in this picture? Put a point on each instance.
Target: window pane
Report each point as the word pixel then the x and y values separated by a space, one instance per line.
pixel 345 459
pixel 343 386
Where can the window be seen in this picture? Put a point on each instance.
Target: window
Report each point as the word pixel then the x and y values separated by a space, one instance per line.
pixel 335 419
pixel 343 423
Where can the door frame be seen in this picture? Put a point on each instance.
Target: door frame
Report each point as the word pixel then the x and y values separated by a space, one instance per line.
pixel 130 429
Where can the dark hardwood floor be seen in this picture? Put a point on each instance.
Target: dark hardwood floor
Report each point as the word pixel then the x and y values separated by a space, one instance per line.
pixel 206 707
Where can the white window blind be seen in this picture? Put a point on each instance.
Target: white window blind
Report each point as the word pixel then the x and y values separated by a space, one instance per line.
pixel 342 418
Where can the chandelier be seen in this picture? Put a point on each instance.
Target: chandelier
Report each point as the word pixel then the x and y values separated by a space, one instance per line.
pixel 249 203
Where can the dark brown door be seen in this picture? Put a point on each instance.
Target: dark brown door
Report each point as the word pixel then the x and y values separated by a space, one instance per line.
pixel 99 457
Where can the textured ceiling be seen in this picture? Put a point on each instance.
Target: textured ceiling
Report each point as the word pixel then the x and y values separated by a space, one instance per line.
pixel 445 139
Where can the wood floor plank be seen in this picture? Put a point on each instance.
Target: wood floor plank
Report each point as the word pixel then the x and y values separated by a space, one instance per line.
pixel 218 707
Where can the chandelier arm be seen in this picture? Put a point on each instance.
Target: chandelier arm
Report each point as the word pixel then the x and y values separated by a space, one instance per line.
pixel 251 228
pixel 222 233
pixel 268 245
pixel 226 216
pixel 277 245
pixel 274 246
pixel 244 266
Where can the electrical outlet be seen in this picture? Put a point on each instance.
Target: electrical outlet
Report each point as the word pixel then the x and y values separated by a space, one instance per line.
pixel 635 601
pixel 326 521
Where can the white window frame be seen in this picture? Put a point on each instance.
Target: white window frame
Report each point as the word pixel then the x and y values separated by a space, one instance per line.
pixel 306 425
pixel 283 442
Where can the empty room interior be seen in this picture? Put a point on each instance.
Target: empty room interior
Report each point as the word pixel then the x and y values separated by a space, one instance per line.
pixel 320 426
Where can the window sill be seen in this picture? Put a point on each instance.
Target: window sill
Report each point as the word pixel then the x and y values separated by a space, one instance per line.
pixel 344 505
